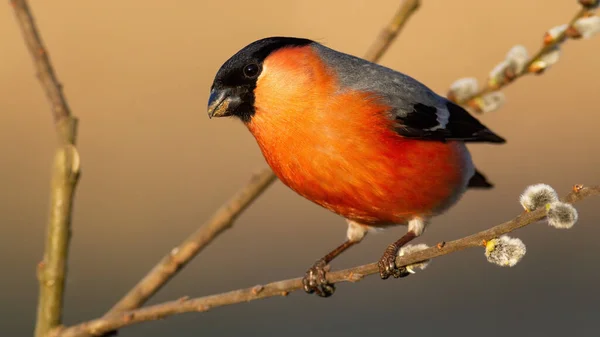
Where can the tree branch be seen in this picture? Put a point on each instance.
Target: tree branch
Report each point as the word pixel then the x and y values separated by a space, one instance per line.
pixel 389 33
pixel 45 71
pixel 53 268
pixel 223 219
pixel 282 288
pixel 179 256
pixel 546 47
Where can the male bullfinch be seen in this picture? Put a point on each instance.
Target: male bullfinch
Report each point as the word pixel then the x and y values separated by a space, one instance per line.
pixel 364 141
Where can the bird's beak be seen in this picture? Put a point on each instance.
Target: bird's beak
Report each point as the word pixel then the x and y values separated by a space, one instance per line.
pixel 222 102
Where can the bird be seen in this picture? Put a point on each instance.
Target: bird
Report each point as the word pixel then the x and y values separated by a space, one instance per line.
pixel 371 144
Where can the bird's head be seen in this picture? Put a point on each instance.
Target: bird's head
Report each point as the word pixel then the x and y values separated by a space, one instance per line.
pixel 233 90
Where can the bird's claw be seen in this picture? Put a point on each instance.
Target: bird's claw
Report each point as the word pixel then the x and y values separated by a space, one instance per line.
pixel 387 264
pixel 315 281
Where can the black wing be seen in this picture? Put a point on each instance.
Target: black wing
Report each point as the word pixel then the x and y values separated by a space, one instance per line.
pixel 419 112
pixel 451 122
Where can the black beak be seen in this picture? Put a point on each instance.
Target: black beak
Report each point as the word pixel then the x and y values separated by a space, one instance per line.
pixel 222 102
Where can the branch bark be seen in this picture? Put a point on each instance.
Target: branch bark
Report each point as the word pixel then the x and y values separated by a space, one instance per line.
pixel 282 288
pixel 179 256
pixel 223 219
pixel 65 175
pixel 389 33
pixel 546 47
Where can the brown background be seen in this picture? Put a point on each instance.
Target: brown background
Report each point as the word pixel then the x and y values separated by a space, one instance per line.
pixel 137 73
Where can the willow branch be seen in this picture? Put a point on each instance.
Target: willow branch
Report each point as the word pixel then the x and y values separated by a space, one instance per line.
pixel 223 219
pixel 65 174
pixel 179 256
pixel 282 288
pixel 389 33
pixel 546 47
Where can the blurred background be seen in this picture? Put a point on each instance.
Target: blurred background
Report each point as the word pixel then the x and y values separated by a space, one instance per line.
pixel 137 74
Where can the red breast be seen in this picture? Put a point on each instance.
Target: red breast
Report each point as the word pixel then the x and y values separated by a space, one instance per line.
pixel 337 147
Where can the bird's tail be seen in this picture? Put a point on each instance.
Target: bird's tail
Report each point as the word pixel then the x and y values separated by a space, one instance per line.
pixel 478 180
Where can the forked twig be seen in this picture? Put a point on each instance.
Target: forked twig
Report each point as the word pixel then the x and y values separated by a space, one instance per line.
pixel 52 269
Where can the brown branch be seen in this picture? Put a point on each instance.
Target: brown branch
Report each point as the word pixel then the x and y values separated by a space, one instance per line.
pixel 179 256
pixel 282 288
pixel 546 47
pixel 45 71
pixel 389 33
pixel 53 268
pixel 171 264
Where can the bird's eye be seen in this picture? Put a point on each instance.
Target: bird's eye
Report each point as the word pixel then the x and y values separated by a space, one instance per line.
pixel 251 70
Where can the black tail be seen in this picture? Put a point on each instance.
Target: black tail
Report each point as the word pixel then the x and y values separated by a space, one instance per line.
pixel 478 180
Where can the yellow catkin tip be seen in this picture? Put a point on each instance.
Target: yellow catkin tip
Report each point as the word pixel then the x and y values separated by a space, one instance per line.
pixel 490 245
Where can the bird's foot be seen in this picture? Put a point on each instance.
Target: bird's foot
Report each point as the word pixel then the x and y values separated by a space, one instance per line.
pixel 387 264
pixel 315 281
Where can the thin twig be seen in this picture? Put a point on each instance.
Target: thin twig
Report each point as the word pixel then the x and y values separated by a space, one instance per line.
pixel 175 260
pixel 389 33
pixel 546 47
pixel 45 71
pixel 282 288
pixel 53 268
pixel 169 265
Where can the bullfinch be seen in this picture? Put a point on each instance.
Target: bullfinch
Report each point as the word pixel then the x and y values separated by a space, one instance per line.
pixel 371 144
